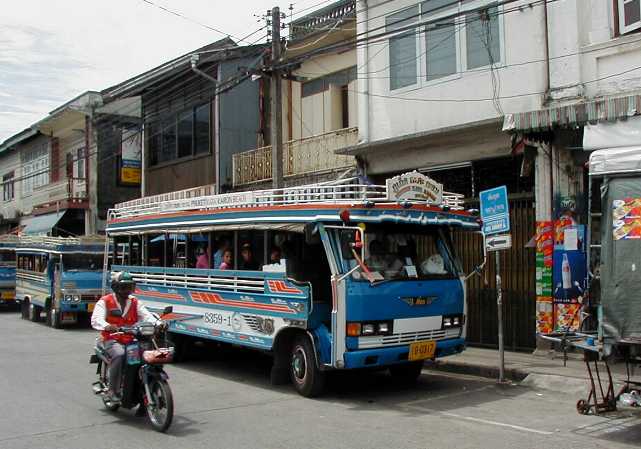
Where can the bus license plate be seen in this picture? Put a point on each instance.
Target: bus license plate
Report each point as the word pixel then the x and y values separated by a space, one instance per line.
pixel 90 306
pixel 422 350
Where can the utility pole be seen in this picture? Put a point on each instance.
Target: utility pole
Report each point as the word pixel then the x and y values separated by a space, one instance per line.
pixel 276 104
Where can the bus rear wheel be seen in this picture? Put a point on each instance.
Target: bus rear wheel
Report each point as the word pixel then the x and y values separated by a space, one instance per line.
pixel 407 372
pixel 24 309
pixel 308 380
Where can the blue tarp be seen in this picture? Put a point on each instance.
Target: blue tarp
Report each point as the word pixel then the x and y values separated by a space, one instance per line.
pixel 42 224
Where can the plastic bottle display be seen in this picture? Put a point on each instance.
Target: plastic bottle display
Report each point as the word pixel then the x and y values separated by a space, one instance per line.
pixel 566 275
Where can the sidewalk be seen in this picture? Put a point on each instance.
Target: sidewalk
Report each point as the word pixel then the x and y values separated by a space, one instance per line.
pixel 540 371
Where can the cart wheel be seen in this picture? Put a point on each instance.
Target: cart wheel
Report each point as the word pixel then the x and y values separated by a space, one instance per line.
pixel 582 407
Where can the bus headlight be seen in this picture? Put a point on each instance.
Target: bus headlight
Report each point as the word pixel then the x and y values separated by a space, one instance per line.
pixel 72 298
pixel 453 321
pixel 368 329
pixel 356 329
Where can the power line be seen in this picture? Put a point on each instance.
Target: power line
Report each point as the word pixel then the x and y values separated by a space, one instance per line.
pixel 189 19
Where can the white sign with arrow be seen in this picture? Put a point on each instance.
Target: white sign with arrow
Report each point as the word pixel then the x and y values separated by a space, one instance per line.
pixel 498 242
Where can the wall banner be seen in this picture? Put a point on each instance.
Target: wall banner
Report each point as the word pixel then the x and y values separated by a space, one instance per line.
pixel 131 160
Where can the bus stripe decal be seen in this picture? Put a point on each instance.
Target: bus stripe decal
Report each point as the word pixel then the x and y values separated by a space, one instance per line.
pixel 281 287
pixel 214 298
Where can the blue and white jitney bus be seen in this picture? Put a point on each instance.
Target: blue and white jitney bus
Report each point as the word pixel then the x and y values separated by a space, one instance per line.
pixel 8 269
pixel 61 277
pixel 326 276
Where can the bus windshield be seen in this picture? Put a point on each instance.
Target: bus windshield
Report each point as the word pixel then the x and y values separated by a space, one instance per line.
pixel 82 262
pixel 400 252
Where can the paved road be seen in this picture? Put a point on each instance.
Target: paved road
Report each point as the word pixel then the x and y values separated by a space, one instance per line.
pixel 225 401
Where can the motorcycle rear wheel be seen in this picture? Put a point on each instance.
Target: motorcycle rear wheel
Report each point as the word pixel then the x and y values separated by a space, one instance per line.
pixel 162 412
pixel 112 407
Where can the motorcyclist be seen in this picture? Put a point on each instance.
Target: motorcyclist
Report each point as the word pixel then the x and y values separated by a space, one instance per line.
pixel 118 309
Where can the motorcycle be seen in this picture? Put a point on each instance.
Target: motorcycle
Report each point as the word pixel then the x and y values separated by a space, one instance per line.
pixel 144 381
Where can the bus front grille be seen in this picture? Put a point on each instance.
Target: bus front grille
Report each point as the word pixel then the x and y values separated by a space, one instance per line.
pixel 406 338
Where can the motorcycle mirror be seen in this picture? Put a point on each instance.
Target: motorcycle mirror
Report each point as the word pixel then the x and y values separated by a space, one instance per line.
pixel 115 312
pixel 167 310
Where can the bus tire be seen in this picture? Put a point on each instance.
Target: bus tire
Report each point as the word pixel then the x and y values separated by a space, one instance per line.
pixel 407 372
pixel 34 313
pixel 24 309
pixel 308 380
pixel 53 317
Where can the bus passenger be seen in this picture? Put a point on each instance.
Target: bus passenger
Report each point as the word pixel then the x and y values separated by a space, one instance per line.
pixel 275 255
pixel 202 261
pixel 222 245
pixel 227 261
pixel 248 262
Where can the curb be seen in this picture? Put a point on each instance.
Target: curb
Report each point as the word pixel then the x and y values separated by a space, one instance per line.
pixel 490 372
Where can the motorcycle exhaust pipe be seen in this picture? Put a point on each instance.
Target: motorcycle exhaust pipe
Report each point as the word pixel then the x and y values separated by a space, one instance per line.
pixel 97 388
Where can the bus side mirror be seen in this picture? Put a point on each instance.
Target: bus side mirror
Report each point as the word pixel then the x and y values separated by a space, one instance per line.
pixel 479 268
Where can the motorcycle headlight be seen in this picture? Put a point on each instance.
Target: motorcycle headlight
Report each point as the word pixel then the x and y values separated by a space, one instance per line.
pixel 147 331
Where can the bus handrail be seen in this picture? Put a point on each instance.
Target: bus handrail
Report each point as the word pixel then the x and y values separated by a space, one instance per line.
pixel 339 194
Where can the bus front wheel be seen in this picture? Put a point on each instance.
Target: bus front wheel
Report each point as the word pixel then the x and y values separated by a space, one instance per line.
pixel 407 372
pixel 306 377
pixel 53 317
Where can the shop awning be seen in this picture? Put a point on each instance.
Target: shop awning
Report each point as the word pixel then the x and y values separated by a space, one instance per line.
pixel 41 224
pixel 573 115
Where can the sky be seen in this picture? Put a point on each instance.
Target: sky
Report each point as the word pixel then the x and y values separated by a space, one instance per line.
pixel 54 50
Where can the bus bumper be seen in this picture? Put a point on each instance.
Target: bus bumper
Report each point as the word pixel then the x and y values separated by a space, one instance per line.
pixel 81 307
pixel 7 296
pixel 368 358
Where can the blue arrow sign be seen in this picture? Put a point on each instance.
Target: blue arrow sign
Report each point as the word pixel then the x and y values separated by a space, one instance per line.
pixel 495 211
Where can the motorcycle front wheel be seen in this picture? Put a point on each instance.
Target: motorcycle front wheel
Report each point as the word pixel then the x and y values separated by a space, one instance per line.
pixel 162 411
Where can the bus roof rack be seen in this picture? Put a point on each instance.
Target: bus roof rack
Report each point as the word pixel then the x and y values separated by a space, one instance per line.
pixel 58 242
pixel 414 188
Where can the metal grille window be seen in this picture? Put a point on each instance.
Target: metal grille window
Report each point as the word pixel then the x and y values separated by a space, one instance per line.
pixel 8 186
pixel 35 169
pixel 629 15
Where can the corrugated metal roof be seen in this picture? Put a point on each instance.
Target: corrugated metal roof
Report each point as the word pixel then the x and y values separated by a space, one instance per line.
pixel 12 141
pixel 574 115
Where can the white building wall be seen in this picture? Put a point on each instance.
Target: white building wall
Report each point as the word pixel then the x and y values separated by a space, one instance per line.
pixel 587 55
pixel 426 106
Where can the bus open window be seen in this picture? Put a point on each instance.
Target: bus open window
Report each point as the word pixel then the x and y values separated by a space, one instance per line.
pixel 7 257
pixel 82 262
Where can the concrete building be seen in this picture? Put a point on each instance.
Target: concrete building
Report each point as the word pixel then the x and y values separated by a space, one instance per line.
pixel 320 107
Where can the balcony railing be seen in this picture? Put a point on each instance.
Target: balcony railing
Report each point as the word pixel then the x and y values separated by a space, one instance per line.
pixel 310 155
pixel 322 19
pixel 70 189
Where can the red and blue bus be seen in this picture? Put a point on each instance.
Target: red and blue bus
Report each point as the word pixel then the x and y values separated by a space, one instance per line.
pixel 325 277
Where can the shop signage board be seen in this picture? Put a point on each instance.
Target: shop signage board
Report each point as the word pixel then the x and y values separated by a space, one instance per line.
pixel 414 186
pixel 495 211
